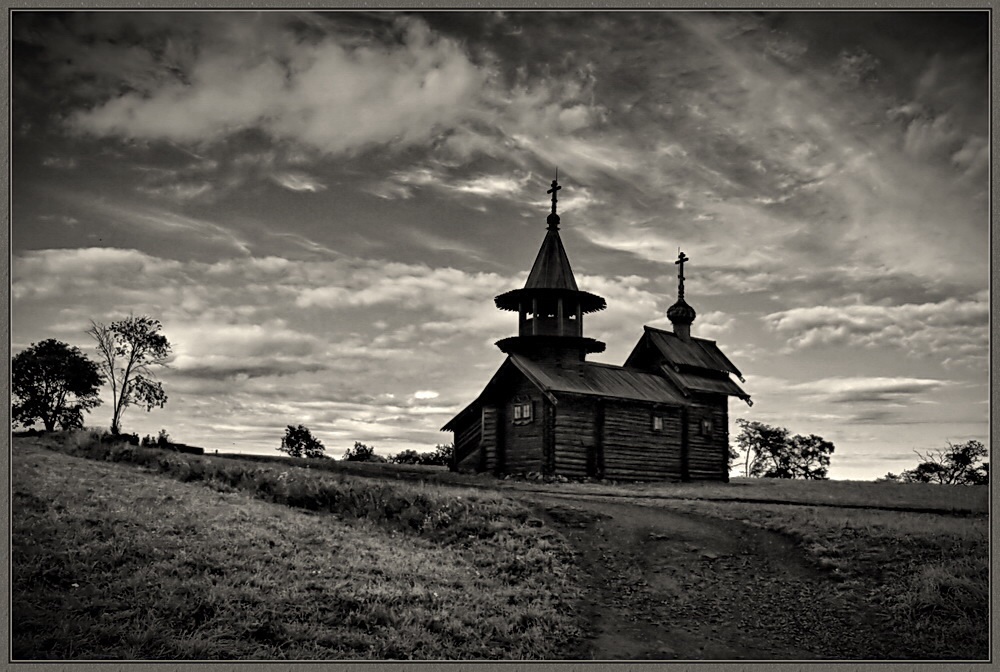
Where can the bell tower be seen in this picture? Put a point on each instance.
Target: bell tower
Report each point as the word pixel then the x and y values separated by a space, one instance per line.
pixel 550 307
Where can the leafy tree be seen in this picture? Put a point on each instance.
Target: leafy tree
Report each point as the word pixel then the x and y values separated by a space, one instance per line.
pixel 770 452
pixel 731 459
pixel 129 350
pixel 362 453
pixel 54 383
pixel 299 442
pixel 960 464
pixel 442 455
pixel 757 440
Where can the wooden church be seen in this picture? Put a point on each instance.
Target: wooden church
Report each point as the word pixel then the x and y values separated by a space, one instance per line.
pixel 661 416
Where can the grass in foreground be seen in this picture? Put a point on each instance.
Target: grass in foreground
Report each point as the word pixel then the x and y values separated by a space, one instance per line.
pixel 926 575
pixel 111 562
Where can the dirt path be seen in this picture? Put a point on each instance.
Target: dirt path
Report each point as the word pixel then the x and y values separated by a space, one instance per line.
pixel 670 585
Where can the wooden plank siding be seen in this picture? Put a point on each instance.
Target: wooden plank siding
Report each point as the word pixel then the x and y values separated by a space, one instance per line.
pixel 488 446
pixel 468 439
pixel 575 436
pixel 708 453
pixel 632 449
pixel 522 442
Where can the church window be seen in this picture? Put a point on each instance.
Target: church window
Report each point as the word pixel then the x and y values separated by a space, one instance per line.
pixel 657 423
pixel 522 411
pixel 706 426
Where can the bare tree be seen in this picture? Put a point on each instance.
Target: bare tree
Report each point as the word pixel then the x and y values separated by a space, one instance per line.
pixel 962 464
pixel 129 349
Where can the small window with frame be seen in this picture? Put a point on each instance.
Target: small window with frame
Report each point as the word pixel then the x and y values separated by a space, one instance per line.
pixel 657 423
pixel 706 426
pixel 522 411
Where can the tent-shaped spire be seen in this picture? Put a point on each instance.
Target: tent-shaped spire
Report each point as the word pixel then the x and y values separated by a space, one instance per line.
pixel 551 274
pixel 551 269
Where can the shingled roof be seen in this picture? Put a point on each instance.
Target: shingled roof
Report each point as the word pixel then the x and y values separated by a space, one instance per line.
pixel 551 269
pixel 598 380
pixel 694 352
pixel 693 382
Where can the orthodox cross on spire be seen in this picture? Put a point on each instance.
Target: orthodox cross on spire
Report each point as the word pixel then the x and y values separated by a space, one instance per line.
pixel 553 218
pixel 680 262
pixel 553 190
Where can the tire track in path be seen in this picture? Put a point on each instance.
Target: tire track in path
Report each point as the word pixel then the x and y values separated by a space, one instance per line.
pixel 666 585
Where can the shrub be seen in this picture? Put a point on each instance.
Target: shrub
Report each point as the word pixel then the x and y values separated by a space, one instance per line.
pixel 440 457
pixel 362 453
pixel 408 456
pixel 120 438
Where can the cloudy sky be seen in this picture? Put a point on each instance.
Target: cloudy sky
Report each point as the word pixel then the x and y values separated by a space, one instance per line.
pixel 319 207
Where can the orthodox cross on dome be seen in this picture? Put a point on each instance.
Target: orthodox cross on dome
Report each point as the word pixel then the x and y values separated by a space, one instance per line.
pixel 680 261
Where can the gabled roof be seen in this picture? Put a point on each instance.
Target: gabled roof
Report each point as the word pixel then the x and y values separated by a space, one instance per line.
pixel 586 378
pixel 689 382
pixel 696 352
pixel 601 380
pixel 551 269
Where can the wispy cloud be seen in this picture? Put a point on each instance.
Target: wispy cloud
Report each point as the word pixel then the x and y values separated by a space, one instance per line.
pixel 295 181
pixel 879 390
pixel 60 162
pixel 178 192
pixel 949 330
pixel 164 222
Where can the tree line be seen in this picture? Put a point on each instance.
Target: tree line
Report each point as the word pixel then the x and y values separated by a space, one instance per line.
pixel 767 451
pixel 299 441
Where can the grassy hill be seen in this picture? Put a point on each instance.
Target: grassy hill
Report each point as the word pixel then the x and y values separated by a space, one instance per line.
pixel 113 560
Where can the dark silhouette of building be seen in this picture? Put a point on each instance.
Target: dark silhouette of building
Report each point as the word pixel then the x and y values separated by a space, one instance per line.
pixel 663 415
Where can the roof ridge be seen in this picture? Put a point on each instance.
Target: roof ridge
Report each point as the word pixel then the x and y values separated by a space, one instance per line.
pixel 670 333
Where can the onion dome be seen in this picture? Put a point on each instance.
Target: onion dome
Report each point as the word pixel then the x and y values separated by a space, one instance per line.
pixel 681 313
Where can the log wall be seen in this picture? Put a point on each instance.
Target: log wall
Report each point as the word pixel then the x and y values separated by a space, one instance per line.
pixel 467 443
pixel 488 445
pixel 522 443
pixel 575 437
pixel 708 453
pixel 634 450
pixel 597 437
